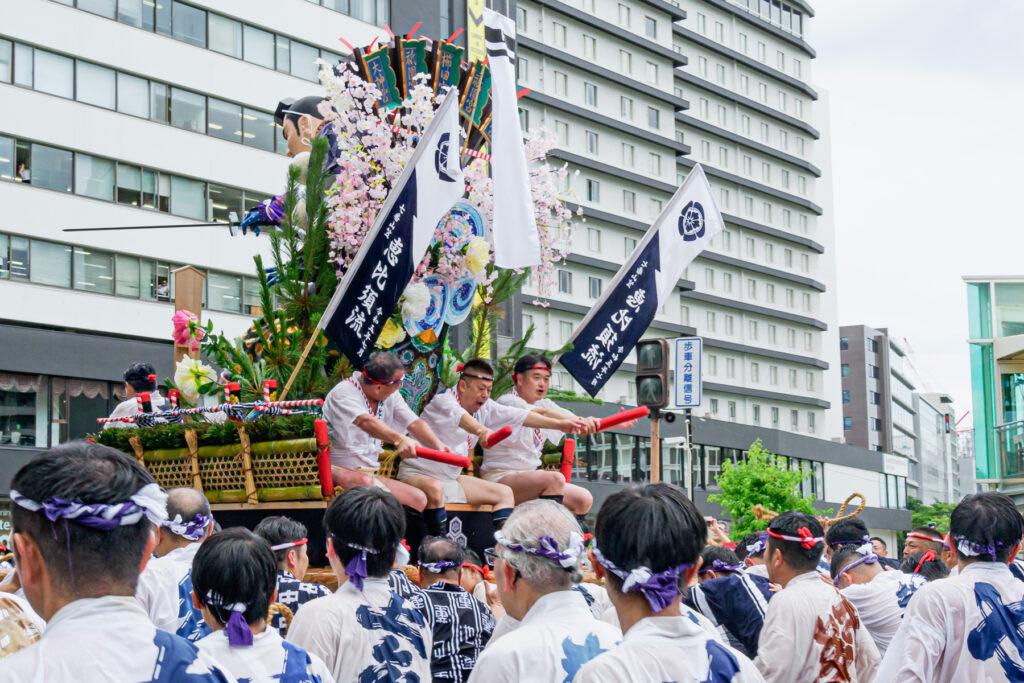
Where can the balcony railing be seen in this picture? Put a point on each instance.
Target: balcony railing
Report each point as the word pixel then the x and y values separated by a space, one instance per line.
pixel 1010 437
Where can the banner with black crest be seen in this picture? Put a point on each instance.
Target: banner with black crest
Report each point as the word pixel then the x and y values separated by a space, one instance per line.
pixel 616 323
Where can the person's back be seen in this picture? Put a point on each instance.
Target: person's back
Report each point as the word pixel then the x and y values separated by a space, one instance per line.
pixel 461 625
pixel 165 584
pixel 364 631
pixel 539 551
pixel 289 542
pixel 736 604
pixel 648 545
pixel 879 596
pixel 967 627
pixel 234 581
pixel 79 572
pixel 811 632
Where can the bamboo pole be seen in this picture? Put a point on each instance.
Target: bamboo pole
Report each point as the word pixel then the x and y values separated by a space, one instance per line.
pixel 298 366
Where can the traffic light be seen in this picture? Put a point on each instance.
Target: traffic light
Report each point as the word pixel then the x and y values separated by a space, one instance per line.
pixel 652 361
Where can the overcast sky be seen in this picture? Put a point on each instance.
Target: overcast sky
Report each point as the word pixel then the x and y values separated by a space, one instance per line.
pixel 926 102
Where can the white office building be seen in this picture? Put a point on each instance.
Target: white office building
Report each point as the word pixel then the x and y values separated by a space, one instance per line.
pixel 637 92
pixel 129 112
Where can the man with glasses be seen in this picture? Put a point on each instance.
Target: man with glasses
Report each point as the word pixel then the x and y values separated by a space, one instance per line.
pixel 364 411
pixel 537 561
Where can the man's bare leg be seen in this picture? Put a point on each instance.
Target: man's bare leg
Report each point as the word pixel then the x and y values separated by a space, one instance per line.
pixel 497 495
pixel 406 495
pixel 577 499
pixel 534 484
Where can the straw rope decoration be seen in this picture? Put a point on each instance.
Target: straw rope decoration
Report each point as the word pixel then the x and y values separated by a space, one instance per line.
pixel 763 514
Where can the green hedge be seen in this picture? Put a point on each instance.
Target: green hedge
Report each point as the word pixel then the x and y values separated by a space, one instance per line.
pixel 173 435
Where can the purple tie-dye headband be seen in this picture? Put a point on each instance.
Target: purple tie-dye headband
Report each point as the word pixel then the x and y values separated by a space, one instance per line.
pixel 150 501
pixel 720 566
pixel 355 569
pixel 566 559
pixel 192 530
pixel 659 588
pixel 966 547
pixel 439 567
pixel 759 545
pixel 238 631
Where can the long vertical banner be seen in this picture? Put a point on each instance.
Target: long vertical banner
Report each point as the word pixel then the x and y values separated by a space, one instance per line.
pixel 619 319
pixel 369 291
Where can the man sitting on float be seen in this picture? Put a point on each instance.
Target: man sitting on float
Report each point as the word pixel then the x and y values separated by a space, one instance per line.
pixel 515 461
pixel 366 410
pixel 461 417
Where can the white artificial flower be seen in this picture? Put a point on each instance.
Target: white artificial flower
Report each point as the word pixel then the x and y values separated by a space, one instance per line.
pixel 416 300
pixel 190 374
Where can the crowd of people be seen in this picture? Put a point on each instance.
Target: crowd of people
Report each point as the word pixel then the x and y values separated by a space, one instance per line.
pixel 117 579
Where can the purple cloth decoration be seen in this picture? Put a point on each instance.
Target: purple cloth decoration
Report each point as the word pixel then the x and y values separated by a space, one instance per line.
pixel 870 558
pixel 355 569
pixel 853 541
pixel 659 588
pixel 268 212
pixel 963 544
pixel 549 548
pixel 439 567
pixel 758 546
pixel 238 632
pixel 192 530
pixel 721 566
pixel 150 502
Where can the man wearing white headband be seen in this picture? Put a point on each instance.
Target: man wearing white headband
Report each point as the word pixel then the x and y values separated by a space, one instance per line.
pixel 289 542
pixel 139 378
pixel 751 551
pixel 967 627
pixel 649 540
pixel 83 516
pixel 811 631
pixel 166 583
pixel 537 561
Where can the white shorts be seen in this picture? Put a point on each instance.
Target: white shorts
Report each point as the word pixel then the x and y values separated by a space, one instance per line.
pixel 496 475
pixel 374 479
pixel 453 492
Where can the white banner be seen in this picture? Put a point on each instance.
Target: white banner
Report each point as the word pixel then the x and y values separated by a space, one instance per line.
pixel 514 227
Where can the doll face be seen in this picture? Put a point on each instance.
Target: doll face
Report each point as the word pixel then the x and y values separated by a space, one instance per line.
pixel 298 137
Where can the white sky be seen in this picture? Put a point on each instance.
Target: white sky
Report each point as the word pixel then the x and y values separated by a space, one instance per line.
pixel 927 141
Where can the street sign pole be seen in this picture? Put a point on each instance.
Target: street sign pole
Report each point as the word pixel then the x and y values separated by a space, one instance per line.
pixel 655 420
pixel 689 452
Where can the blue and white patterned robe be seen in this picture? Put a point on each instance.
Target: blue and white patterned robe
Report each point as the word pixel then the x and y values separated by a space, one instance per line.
pixel 735 604
pixel 367 636
pixel 109 639
pixel 293 594
pixel 165 592
pixel 669 649
pixel 268 660
pixel 554 639
pixel 963 628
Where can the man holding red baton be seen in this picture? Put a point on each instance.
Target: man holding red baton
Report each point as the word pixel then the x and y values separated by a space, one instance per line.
pixel 515 461
pixel 366 410
pixel 462 416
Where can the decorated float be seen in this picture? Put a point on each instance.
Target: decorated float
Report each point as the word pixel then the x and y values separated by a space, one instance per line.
pixel 244 423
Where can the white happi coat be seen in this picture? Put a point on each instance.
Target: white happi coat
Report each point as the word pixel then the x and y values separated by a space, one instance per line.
pixel 669 649
pixel 165 592
pixel 442 415
pixel 555 638
pixel 757 570
pixel 268 660
pixel 108 639
pixel 130 407
pixel 373 635
pixel 521 451
pixel 962 628
pixel 881 602
pixel 351 447
pixel 812 634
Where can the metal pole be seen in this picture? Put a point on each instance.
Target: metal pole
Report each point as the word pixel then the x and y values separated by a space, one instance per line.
pixel 689 452
pixel 655 447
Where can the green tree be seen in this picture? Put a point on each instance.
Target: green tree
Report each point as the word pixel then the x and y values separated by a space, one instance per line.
pixel 763 479
pixel 924 515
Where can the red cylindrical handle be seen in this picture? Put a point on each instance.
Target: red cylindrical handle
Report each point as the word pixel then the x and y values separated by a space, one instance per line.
pixel 498 436
pixel 323 458
pixel 568 456
pixel 624 416
pixel 442 456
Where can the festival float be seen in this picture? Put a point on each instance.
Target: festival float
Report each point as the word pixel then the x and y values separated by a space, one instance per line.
pixel 244 424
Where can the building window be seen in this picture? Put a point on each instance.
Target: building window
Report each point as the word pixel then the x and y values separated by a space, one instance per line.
pixel 628 156
pixel 626 62
pixel 732 411
pixel 875 398
pixel 845 369
pixel 757 414
pixel 654 207
pixel 847 423
pixel 559 33
pixel 623 15
pixel 654 163
pixel 652 72
pixel 730 368
pixel 626 108
pixel 561 83
pixel 562 132
pixel 593 191
pixel 752 330
pixel 702 23
pixel 846 395
pixel 752 288
pixel 794 419
pixel 844 343
pixel 629 202
pixel 523 69
pixel 590 94
pixel 713 406
pixel 773 375
pixel 810 422
pixel 565 282
pixel 769 293
pixel 591 142
pixel 730 325
pixel 702 66
pixel 521 18
pixel 711 323
pixel 628 245
pixel 876 424
pixel 653 117
pixel 94 177
pixel 595 284
pixel 775 418
pixel 810 381
pixel 762 91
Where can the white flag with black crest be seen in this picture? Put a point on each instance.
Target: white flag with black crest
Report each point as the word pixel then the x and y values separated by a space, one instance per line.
pixel 514 227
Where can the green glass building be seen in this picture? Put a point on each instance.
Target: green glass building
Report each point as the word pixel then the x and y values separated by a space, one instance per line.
pixel 995 307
